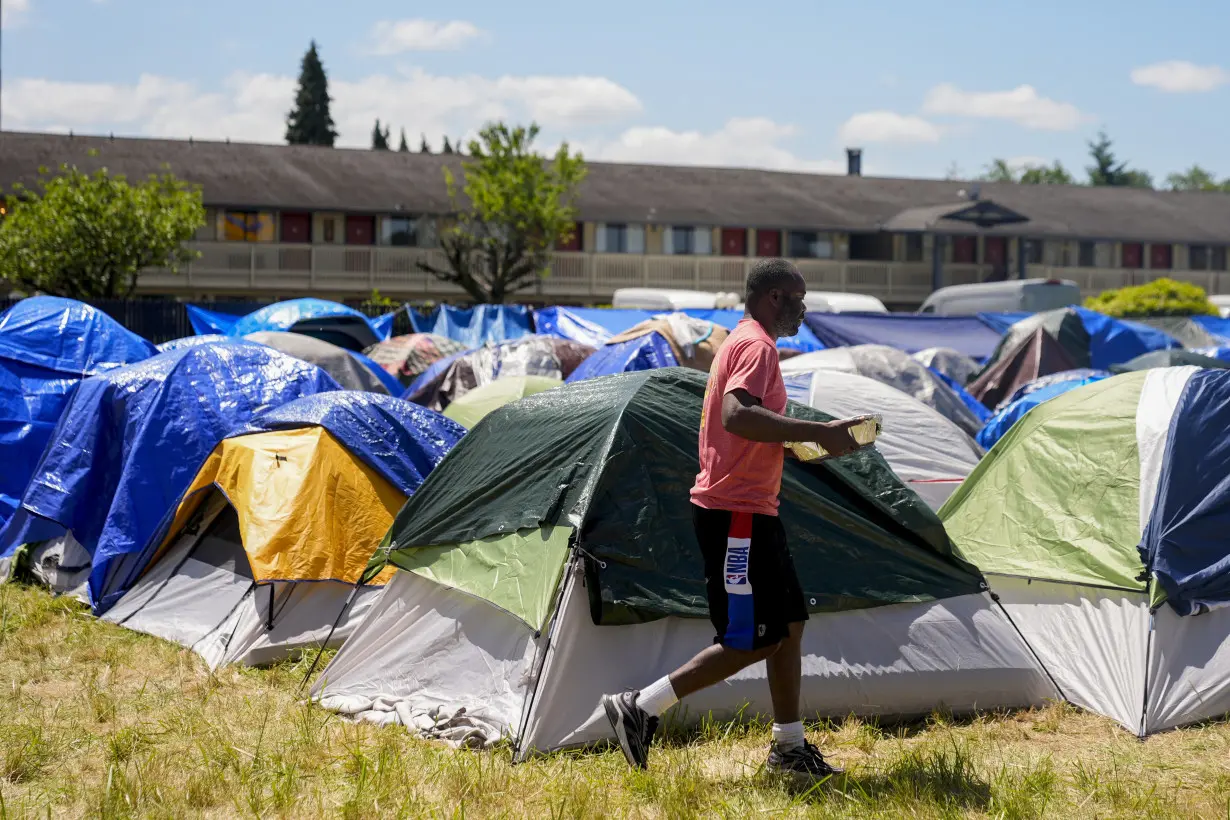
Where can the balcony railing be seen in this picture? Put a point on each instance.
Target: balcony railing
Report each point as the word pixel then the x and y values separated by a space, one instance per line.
pixel 350 271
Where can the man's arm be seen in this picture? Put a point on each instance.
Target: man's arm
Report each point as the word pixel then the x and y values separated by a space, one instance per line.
pixel 743 416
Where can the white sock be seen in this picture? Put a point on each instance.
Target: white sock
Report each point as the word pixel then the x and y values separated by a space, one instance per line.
pixel 657 697
pixel 788 735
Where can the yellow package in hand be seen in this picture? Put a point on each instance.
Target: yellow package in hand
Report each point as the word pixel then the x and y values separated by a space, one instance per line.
pixel 864 433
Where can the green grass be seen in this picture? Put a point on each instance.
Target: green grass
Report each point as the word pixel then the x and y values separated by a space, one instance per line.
pixel 99 721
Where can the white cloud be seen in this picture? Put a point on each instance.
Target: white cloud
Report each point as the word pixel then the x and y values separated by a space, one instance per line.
pixel 1181 77
pixel 741 142
pixel 253 107
pixel 887 126
pixel 12 10
pixel 1022 105
pixel 1018 164
pixel 400 36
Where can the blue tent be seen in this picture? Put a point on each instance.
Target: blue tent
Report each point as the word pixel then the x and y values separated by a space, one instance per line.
pixel 909 332
pixel 1079 374
pixel 400 440
pixel 804 341
pixel 331 321
pixel 475 326
pixel 1002 320
pixel 1222 353
pixel 131 440
pixel 976 407
pixel 646 352
pixel 192 341
pixel 47 345
pixel 1215 325
pixel 1184 543
pixel 594 326
pixel 1113 341
pixel 1002 421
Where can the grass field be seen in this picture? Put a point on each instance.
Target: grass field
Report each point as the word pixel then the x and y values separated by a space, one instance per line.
pixel 99 721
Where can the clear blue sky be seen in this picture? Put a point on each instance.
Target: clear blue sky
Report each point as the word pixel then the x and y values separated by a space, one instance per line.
pixel 784 84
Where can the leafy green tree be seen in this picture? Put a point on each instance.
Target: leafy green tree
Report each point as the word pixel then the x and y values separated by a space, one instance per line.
pixel 1054 174
pixel 447 148
pixel 380 137
pixel 424 148
pixel 515 205
pixel 1196 179
pixel 1107 170
pixel 998 171
pixel 1161 297
pixel 89 236
pixel 404 148
pixel 309 122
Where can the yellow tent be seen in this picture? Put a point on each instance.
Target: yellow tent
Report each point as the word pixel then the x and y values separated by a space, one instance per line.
pixel 266 513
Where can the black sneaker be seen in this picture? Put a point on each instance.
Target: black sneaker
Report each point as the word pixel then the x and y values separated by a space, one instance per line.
pixel 634 727
pixel 800 763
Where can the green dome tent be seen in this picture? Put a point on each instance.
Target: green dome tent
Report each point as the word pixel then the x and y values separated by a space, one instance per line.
pixel 480 402
pixel 1099 520
pixel 551 557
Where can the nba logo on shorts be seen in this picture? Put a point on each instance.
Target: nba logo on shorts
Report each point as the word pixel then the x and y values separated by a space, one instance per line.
pixel 737 550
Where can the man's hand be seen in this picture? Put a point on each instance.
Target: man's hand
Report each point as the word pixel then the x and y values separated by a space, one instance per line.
pixel 837 437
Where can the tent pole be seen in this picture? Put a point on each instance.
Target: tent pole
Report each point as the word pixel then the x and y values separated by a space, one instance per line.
pixel 1041 665
pixel 329 637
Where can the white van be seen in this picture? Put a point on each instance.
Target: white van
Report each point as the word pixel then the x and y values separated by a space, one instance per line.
pixel 664 299
pixel 839 302
pixel 1222 303
pixel 1027 295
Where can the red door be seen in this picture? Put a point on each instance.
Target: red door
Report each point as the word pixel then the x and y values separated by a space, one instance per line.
pixel 995 251
pixel 768 243
pixel 360 230
pixel 574 241
pixel 964 250
pixel 1133 255
pixel 1159 257
pixel 734 241
pixel 296 227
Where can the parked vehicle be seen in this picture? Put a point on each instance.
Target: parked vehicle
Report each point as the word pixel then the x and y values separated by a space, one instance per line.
pixel 1026 295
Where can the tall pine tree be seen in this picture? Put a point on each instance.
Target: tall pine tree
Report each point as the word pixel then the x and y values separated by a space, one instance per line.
pixel 309 122
pixel 404 148
pixel 380 137
pixel 447 147
pixel 424 148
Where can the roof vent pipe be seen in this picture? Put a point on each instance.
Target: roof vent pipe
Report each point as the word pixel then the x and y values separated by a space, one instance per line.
pixel 854 162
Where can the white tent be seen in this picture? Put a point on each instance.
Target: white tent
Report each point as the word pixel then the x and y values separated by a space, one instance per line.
pixel 894 368
pixel 930 454
pixel 426 651
pixel 202 595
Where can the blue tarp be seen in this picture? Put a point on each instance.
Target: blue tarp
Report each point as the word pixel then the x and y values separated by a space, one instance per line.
pixel 283 316
pixel 1215 325
pixel 646 352
pixel 1184 543
pixel 131 440
pixel 1112 341
pixel 401 441
pixel 1079 374
pixel 910 332
pixel 1222 353
pixel 804 341
pixel 1002 320
pixel 1001 422
pixel 47 345
pixel 976 407
pixel 192 341
pixel 66 336
pixel 567 323
pixel 475 326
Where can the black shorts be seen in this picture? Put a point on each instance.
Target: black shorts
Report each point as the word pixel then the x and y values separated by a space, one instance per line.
pixel 754 591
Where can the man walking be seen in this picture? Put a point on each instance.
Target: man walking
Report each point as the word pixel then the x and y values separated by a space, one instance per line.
pixel 755 599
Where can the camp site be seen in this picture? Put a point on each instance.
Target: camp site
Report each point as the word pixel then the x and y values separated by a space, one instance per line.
pixel 507 413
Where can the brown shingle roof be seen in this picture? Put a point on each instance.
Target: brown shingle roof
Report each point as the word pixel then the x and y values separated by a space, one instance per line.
pixel 311 178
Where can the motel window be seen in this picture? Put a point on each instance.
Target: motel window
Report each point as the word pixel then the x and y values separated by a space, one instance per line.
pixel 407 232
pixel 620 238
pixel 248 226
pixel 1197 257
pixel 809 245
pixel 1217 258
pixel 685 240
pixel 1034 251
pixel 1087 255
pixel 914 247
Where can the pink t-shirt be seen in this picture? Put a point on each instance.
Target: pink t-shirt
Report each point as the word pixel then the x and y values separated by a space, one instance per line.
pixel 737 474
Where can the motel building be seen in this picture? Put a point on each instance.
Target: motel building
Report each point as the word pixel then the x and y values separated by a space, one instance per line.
pixel 287 221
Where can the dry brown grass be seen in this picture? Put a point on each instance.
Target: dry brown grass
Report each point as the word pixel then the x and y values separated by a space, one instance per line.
pixel 99 721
